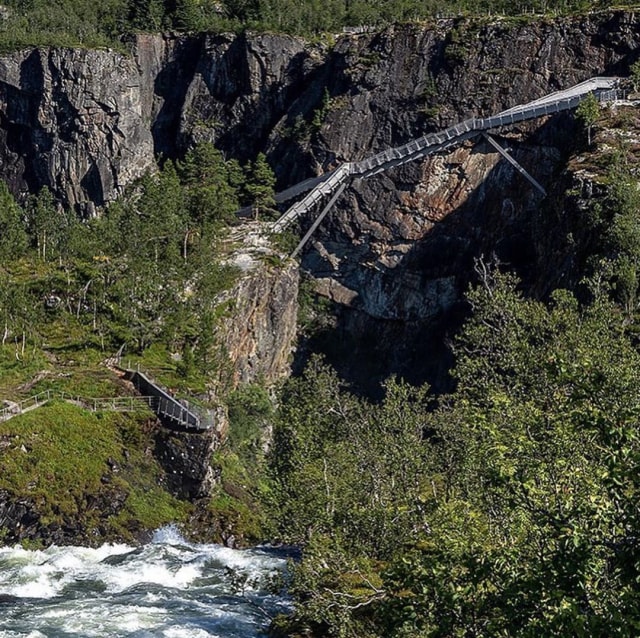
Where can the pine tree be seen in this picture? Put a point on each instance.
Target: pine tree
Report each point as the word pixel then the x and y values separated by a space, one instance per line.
pixel 13 237
pixel 260 183
pixel 212 185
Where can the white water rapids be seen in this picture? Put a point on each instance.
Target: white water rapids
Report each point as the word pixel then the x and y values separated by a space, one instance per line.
pixel 168 588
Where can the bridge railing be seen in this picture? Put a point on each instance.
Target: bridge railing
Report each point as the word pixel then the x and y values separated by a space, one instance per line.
pixel 176 412
pixel 604 89
pixel 26 404
pixel 36 400
pixel 173 411
pixel 434 142
pixel 334 180
pixel 118 404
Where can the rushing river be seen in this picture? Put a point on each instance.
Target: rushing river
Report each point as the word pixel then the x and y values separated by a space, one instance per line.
pixel 168 588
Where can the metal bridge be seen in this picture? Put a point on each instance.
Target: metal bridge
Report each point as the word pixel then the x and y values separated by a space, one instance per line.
pixel 174 413
pixel 605 89
pixel 171 412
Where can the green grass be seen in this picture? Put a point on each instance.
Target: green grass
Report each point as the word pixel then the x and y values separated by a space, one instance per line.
pixel 15 371
pixel 73 465
pixel 58 449
pixel 237 501
pixel 38 370
pixel 239 515
pixel 85 383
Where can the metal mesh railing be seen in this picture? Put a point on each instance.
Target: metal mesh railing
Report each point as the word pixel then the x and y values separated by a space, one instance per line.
pixel 604 89
pixel 326 187
pixel 118 404
pixel 178 412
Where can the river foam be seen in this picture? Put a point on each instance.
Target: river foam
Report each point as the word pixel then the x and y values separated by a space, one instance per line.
pixel 169 587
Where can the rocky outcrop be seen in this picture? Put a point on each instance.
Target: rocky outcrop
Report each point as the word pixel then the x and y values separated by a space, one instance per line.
pixel 400 247
pixel 72 120
pixel 22 520
pixel 87 123
pixel 258 329
pixel 186 459
pixel 242 88
pixel 398 253
pixel 18 517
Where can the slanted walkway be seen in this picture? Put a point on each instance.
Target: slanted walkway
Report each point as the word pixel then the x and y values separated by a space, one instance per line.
pixel 172 412
pixel 178 414
pixel 605 89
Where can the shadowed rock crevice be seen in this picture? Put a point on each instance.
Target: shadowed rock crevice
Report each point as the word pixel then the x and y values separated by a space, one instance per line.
pixel 399 248
pixel 399 253
pixel 170 87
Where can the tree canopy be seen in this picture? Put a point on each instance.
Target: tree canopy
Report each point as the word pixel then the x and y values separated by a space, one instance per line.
pixel 142 272
pixel 507 508
pixel 75 22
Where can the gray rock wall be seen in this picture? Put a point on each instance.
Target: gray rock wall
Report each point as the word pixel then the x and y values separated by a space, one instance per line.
pixel 400 247
pixel 72 120
pixel 87 123
pixel 258 330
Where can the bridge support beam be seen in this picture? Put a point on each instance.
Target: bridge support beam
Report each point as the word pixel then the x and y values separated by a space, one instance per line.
pixel 319 218
pixel 513 162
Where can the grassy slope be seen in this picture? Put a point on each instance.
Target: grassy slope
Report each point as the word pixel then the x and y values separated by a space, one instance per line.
pixel 75 466
pixel 78 468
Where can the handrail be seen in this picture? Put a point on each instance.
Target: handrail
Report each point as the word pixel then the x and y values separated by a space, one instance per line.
pixel 605 89
pixel 118 404
pixel 167 406
pixel 326 187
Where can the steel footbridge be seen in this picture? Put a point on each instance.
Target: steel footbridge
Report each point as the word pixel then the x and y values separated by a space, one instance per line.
pixel 332 184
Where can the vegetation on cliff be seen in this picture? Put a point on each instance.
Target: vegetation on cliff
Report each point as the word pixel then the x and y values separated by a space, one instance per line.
pixel 74 22
pixel 144 276
pixel 507 507
pixel 145 272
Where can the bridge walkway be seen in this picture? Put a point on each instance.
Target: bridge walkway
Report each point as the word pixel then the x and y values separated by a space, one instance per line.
pixel 605 89
pixel 171 412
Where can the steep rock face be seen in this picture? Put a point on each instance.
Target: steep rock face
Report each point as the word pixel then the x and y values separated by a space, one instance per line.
pixel 72 120
pixel 400 247
pixel 166 67
pixel 398 251
pixel 259 327
pixel 86 123
pixel 186 457
pixel 242 87
pixel 394 242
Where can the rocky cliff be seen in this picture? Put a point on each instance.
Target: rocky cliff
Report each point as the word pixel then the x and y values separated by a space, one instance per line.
pixel 73 121
pixel 397 253
pixel 259 328
pixel 87 123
